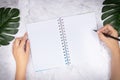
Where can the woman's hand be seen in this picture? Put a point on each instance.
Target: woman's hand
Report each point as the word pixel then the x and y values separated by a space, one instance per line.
pixel 21 50
pixel 114 47
pixel 111 43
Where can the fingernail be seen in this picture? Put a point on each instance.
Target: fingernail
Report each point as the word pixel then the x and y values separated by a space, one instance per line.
pixel 28 40
pixel 98 32
pixel 26 36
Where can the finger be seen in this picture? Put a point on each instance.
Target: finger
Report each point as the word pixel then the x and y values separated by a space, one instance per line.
pixel 17 41
pixel 103 29
pixel 106 29
pixel 110 27
pixel 113 31
pixel 23 41
pixel 109 32
pixel 27 47
pixel 102 37
pixel 15 44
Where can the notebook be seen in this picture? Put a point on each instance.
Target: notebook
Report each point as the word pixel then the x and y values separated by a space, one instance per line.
pixel 64 41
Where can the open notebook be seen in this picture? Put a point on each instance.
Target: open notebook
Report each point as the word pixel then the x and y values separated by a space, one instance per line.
pixel 64 41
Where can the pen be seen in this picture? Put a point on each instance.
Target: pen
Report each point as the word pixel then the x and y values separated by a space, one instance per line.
pixel 107 35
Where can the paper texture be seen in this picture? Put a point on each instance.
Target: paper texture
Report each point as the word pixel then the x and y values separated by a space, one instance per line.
pixel 45 44
pixel 83 43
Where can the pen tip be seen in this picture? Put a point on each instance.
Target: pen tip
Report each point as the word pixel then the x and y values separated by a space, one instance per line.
pixel 95 30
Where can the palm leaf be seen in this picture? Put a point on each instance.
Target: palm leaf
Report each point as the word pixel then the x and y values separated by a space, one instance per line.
pixel 111 13
pixel 9 23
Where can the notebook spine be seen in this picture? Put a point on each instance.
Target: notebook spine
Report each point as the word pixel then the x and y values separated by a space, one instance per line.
pixel 64 41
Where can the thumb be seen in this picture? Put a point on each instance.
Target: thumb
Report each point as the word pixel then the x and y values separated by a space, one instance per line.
pixel 102 37
pixel 28 47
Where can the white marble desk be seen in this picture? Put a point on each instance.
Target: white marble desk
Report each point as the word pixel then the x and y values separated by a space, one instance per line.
pixel 37 10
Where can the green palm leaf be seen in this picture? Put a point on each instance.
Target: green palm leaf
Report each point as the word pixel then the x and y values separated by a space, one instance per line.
pixel 9 23
pixel 111 13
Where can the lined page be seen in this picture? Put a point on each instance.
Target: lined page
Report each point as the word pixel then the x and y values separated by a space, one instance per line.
pixel 45 43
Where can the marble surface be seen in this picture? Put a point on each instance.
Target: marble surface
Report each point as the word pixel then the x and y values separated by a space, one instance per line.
pixel 39 10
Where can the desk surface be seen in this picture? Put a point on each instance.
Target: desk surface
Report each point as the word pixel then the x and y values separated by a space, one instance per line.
pixel 38 10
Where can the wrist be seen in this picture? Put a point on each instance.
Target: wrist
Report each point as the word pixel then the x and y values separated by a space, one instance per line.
pixel 21 67
pixel 115 47
pixel 115 50
pixel 20 73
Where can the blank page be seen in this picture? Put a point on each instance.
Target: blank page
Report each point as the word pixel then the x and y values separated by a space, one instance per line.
pixel 83 42
pixel 45 43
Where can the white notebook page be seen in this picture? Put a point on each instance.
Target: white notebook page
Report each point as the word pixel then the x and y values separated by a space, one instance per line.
pixel 83 43
pixel 45 43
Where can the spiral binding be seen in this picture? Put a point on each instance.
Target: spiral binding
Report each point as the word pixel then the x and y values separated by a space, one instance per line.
pixel 64 41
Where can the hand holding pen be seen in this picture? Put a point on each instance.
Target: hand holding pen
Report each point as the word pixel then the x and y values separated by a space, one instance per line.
pixel 109 36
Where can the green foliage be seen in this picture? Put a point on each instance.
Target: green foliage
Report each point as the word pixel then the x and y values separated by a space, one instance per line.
pixel 9 23
pixel 111 13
